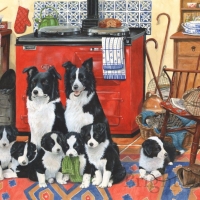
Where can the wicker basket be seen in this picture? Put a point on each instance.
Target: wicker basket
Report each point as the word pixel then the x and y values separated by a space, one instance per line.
pixel 192 101
pixel 147 132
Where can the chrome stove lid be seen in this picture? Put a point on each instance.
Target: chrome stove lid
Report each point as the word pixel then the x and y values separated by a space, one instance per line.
pixel 60 30
pixel 121 31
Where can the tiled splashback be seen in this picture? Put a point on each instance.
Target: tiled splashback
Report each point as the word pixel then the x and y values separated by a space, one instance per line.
pixel 132 13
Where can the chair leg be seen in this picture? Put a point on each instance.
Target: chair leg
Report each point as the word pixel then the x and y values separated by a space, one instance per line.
pixel 195 144
pixel 164 126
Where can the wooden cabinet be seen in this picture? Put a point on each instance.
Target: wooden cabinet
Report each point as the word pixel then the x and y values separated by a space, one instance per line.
pixel 188 14
pixel 186 50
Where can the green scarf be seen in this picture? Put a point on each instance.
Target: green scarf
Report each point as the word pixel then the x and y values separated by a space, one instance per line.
pixel 71 166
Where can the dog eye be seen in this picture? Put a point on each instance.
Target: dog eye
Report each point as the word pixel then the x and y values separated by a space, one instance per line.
pixel 45 82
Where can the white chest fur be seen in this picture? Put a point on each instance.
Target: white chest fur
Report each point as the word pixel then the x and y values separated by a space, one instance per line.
pixel 150 164
pixel 52 163
pixel 5 156
pixel 74 116
pixel 41 117
pixel 95 155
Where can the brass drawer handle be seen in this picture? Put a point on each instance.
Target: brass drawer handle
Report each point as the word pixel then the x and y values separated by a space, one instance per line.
pixel 193 48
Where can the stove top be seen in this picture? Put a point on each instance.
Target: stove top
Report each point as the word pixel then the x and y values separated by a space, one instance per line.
pixel 75 39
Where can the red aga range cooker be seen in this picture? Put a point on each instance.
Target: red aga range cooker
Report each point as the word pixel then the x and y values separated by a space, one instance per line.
pixel 121 99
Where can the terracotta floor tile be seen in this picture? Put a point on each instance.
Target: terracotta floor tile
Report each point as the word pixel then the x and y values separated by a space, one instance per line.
pixel 125 141
pixel 131 149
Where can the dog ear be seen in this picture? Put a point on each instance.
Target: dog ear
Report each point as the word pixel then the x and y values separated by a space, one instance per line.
pixel 101 127
pixel 31 71
pixel 43 140
pixel 68 65
pixel 15 147
pixel 53 71
pixel 14 129
pixel 88 64
pixel 147 148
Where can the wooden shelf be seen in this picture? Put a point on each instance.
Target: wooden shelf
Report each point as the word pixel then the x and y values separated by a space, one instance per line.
pixel 190 9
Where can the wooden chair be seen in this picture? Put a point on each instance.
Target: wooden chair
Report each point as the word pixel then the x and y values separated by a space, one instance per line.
pixel 182 80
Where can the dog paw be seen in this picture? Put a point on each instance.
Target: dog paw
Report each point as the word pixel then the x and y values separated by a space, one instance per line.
pixel 96 181
pixel 170 163
pixel 182 151
pixel 61 182
pixel 149 177
pixel 103 185
pixel 51 180
pixel 1 178
pixel 110 183
pixel 65 178
pixel 142 173
pixel 42 185
pixel 8 173
pixel 85 185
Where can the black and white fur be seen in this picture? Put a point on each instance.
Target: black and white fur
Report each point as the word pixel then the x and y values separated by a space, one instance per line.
pixel 47 164
pixel 102 156
pixel 83 105
pixel 22 154
pixel 75 148
pixel 155 155
pixel 8 134
pixel 45 110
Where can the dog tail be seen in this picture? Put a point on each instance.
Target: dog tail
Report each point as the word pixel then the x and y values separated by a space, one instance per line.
pixel 119 175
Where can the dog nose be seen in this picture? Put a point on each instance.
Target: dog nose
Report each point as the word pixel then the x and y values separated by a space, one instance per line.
pixel 4 144
pixel 70 155
pixel 166 154
pixel 91 144
pixel 24 162
pixel 75 87
pixel 35 92
pixel 58 150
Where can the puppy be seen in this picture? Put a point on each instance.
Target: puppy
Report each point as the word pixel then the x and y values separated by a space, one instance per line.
pixel 155 155
pixel 75 148
pixel 102 156
pixel 45 110
pixel 22 154
pixel 47 164
pixel 8 135
pixel 83 105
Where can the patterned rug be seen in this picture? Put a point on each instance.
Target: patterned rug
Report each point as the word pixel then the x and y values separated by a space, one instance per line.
pixel 132 188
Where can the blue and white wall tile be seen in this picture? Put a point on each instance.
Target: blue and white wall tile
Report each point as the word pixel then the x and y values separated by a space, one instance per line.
pixel 132 13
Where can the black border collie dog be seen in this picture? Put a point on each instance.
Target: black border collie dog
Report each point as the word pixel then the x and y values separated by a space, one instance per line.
pixel 74 147
pixel 22 154
pixel 45 110
pixel 83 105
pixel 155 155
pixel 47 164
pixel 102 157
pixel 8 134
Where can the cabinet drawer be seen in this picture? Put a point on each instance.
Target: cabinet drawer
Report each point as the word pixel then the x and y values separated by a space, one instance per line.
pixel 190 48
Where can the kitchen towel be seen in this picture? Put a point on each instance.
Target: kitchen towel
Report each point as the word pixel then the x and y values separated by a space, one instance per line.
pixel 113 58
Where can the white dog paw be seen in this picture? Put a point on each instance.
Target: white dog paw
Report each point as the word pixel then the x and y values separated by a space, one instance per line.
pixel 42 185
pixel 142 173
pixel 170 163
pixel 8 173
pixel 85 184
pixel 149 177
pixel 1 178
pixel 51 180
pixel 96 181
pixel 103 185
pixel 182 151
pixel 61 181
pixel 110 183
pixel 66 178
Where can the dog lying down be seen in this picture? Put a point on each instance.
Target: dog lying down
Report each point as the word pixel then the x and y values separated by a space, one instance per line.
pixel 155 155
